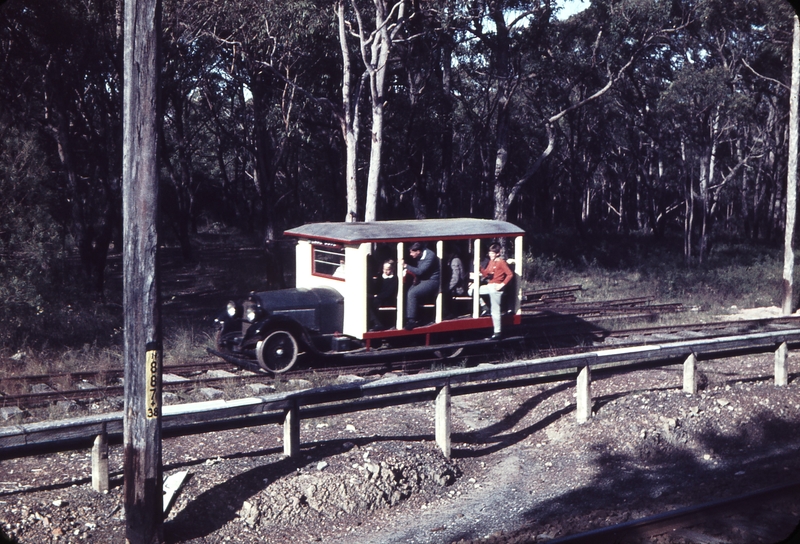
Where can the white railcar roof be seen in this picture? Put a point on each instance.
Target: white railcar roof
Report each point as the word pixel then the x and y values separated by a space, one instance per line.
pixel 406 231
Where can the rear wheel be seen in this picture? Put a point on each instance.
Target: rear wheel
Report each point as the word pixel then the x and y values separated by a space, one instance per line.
pixel 277 352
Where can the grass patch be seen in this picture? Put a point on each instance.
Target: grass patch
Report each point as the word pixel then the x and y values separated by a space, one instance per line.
pixel 185 344
pixel 739 275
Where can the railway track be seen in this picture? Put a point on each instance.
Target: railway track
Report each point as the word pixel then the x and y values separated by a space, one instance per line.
pixel 553 324
pixel 216 374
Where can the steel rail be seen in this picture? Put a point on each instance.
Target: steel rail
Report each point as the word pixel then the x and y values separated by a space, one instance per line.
pixel 681 518
pixel 367 362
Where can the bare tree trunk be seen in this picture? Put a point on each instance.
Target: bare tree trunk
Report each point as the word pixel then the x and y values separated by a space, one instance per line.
pixel 350 120
pixel 264 157
pixel 791 182
pixel 702 207
pixel 376 62
pixel 444 199
pixel 375 48
pixel 378 89
pixel 707 167
pixel 688 221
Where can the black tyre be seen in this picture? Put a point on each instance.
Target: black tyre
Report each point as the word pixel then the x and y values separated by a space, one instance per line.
pixel 277 352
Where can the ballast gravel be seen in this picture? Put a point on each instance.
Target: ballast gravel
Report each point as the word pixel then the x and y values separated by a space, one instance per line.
pixel 522 469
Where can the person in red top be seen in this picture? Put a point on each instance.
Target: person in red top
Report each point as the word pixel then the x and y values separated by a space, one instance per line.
pixel 498 274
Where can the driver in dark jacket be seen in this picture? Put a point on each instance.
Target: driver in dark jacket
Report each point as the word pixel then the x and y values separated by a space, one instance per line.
pixel 426 281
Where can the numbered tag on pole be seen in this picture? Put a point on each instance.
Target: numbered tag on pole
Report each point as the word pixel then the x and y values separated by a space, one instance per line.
pixel 153 402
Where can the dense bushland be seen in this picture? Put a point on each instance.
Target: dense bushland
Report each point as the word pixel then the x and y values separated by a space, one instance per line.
pixel 648 137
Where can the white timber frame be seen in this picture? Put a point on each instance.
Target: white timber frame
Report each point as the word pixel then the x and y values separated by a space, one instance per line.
pixel 476 277
pixel 519 258
pixel 401 300
pixel 353 287
pixel 439 296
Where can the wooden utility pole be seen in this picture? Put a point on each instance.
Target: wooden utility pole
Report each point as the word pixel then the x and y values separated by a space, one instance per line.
pixel 143 348
pixel 791 181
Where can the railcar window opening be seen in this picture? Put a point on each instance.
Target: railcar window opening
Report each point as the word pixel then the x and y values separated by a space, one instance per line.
pixel 328 261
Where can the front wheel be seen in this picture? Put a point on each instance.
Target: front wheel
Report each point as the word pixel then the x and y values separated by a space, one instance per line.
pixel 277 352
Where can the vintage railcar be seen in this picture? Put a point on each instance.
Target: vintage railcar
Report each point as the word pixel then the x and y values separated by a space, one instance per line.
pixel 332 310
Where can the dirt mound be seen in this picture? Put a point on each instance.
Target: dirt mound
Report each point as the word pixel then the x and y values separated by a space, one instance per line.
pixel 354 489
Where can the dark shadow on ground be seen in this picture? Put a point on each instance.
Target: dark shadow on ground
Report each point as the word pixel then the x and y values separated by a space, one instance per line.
pixel 547 329
pixel 491 437
pixel 663 476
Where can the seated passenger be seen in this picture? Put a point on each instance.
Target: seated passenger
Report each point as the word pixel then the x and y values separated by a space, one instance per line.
pixel 425 269
pixel 385 295
pixel 454 284
pixel 339 272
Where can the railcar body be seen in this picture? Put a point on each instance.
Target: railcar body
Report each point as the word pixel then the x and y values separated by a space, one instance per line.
pixel 328 311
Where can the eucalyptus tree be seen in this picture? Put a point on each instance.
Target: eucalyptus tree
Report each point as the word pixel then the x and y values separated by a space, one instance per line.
pixel 711 111
pixel 30 247
pixel 791 178
pixel 766 79
pixel 350 117
pixel 61 77
pixel 640 174
pixel 375 28
pixel 420 119
pixel 489 76
pixel 269 58
pixel 559 68
pixel 186 66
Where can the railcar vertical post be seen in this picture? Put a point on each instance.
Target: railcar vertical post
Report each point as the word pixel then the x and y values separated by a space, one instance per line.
pixel 401 299
pixel 142 342
pixel 476 278
pixel 518 257
pixel 439 297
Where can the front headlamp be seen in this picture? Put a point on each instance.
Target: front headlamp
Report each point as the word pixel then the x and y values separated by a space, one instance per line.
pixel 232 309
pixel 252 314
pixel 252 311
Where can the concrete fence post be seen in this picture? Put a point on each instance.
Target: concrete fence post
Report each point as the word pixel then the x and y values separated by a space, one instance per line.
pixel 781 366
pixel 584 399
pixel 100 462
pixel 690 375
pixel 291 432
pixel 442 423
